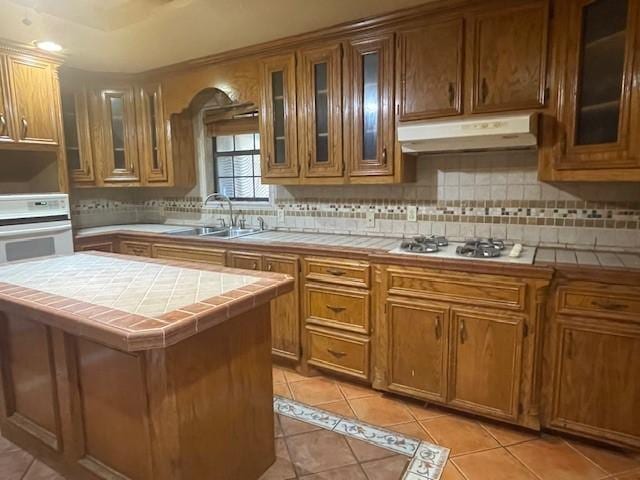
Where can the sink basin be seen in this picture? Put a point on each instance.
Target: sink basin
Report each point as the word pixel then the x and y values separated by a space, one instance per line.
pixel 220 232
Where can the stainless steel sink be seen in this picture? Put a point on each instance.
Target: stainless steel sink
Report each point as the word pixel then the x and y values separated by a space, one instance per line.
pixel 219 232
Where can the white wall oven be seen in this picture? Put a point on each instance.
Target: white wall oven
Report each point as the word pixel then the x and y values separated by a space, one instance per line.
pixel 34 225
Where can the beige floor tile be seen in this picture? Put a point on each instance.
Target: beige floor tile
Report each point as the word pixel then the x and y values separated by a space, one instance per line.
pixel 352 472
pixel 461 435
pixel 292 376
pixel 340 407
pixel 451 472
pixel 425 412
pixel 507 435
pixel 282 469
pixel 381 411
pixel 412 429
pixel 277 429
pixel 291 426
pixel 635 475
pixel 365 452
pixel 611 460
pixel 353 390
pixel 386 469
pixel 283 390
pixel 319 451
pixel 40 471
pixel 315 391
pixel 496 464
pixel 278 376
pixel 14 464
pixel 554 459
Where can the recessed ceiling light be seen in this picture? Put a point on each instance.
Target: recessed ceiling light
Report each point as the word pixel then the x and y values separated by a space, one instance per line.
pixel 48 46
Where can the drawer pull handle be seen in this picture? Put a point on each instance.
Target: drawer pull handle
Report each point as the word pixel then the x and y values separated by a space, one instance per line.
pixel 254 265
pixel 336 353
pixel 336 308
pixel 3 124
pixel 452 94
pixel 463 332
pixel 438 331
pixel 485 90
pixel 606 304
pixel 336 272
pixel 25 127
pixel 269 267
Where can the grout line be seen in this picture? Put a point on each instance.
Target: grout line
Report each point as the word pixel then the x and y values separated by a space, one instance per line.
pixel 523 464
pixel 607 473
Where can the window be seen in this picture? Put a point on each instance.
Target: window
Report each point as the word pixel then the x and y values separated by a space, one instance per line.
pixel 237 167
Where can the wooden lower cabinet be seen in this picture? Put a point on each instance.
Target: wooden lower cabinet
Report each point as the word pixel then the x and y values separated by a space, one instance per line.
pixel 98 246
pixel 285 310
pixel 417 348
pixel 214 256
pixel 596 387
pixel 340 352
pixel 139 249
pixel 486 362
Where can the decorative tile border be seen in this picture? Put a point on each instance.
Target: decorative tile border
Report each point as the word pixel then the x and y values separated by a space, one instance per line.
pixel 427 460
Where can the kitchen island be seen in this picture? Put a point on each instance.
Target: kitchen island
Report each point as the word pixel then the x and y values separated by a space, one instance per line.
pixel 115 367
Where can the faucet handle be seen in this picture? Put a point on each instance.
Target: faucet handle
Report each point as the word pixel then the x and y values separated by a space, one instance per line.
pixel 262 223
pixel 243 222
pixel 222 223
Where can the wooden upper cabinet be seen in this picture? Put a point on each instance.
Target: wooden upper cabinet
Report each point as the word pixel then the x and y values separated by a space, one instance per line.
pixel 599 106
pixel 35 106
pixel 6 128
pixel 369 130
pixel 77 136
pixel 430 69
pixel 114 123
pixel 596 385
pixel 320 111
pixel 486 362
pixel 509 48
pixel 417 354
pixel 151 134
pixel 278 127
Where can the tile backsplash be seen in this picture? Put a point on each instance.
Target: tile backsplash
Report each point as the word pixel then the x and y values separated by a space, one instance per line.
pixel 459 195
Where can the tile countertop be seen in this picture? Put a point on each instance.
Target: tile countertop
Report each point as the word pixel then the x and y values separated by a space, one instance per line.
pixel 132 303
pixel 136 227
pixel 587 259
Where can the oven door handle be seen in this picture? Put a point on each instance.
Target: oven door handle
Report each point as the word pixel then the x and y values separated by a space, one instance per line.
pixel 35 231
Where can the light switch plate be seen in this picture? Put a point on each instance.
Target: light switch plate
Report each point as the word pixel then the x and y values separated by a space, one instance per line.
pixel 280 216
pixel 412 214
pixel 371 219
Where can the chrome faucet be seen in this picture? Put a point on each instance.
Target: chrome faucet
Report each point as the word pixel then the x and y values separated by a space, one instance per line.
pixel 222 198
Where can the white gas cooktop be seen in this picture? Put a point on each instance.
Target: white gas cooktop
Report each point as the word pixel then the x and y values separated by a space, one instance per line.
pixel 526 257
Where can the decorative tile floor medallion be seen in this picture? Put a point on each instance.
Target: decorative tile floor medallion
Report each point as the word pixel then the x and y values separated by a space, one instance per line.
pixel 427 460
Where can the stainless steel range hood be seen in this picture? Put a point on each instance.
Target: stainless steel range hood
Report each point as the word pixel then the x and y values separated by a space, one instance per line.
pixel 476 133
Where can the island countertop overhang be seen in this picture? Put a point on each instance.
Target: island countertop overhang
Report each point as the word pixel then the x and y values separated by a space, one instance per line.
pixel 132 304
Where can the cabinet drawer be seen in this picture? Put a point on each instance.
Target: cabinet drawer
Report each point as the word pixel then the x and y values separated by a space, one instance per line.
pixel 213 256
pixel 338 307
pixel 245 260
pixel 341 272
pixel 605 303
pixel 96 247
pixel 474 289
pixel 339 352
pixel 139 249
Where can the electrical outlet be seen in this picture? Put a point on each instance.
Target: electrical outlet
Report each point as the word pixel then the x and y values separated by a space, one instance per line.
pixel 412 214
pixel 371 219
pixel 280 216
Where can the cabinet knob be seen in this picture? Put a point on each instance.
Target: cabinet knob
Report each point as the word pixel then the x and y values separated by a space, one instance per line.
pixel 438 331
pixel 452 94
pixel 25 127
pixel 269 267
pixel 254 265
pixel 384 155
pixel 3 124
pixel 463 333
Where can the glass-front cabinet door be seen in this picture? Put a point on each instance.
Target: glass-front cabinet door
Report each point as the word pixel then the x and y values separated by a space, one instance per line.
pixel 77 136
pixel 118 152
pixel 600 104
pixel 151 134
pixel 370 130
pixel 320 106
pixel 278 118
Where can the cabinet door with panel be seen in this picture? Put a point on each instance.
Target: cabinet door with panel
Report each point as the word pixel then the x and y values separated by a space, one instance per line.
pixel 599 106
pixel 151 134
pixel 6 128
pixel 486 362
pixel 285 310
pixel 509 57
pixel 278 126
pixel 320 111
pixel 369 131
pixel 596 388
pixel 114 123
pixel 35 107
pixel 77 136
pixel 417 350
pixel 430 69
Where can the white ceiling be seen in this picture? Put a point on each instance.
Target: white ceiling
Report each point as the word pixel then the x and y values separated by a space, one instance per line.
pixel 137 35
